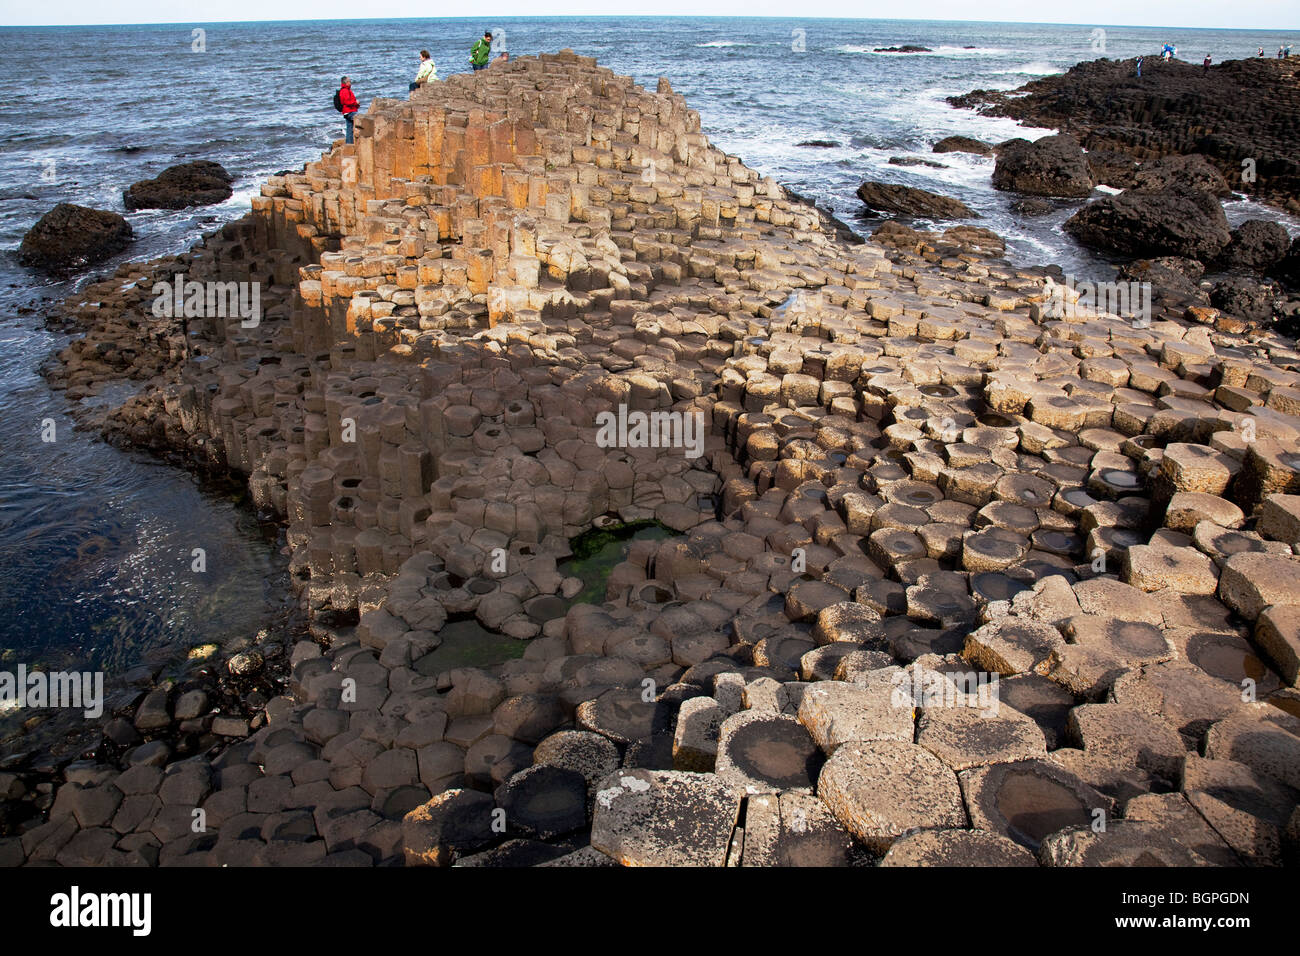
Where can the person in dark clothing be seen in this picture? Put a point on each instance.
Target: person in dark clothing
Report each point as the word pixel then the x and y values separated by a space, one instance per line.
pixel 1139 66
pixel 348 100
pixel 1205 64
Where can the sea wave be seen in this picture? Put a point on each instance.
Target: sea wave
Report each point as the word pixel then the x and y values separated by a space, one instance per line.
pixel 724 43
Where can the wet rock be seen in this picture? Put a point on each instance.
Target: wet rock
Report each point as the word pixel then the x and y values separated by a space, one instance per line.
pixel 910 201
pixel 1051 166
pixel 199 183
pixel 664 818
pixel 1177 222
pixel 962 144
pixel 69 236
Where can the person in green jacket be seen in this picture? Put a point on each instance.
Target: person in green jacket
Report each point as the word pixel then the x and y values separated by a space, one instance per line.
pixel 481 51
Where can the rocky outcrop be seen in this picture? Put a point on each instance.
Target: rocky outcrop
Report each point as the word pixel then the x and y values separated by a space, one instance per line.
pixel 1051 166
pixel 905 48
pixel 200 183
pixel 910 201
pixel 911 461
pixel 963 144
pixel 1176 222
pixel 69 236
pixel 1241 115
pixel 1257 245
pixel 1189 172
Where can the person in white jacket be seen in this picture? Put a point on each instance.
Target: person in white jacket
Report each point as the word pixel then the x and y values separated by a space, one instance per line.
pixel 428 71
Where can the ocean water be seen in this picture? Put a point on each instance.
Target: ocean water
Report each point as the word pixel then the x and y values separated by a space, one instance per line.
pixel 94 541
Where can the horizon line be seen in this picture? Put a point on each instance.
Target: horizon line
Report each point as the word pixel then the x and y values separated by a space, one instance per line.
pixel 637 16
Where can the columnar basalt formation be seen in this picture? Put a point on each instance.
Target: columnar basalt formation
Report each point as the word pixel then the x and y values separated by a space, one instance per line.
pixel 919 468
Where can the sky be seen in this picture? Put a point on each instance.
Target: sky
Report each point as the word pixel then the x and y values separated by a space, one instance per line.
pixel 1243 15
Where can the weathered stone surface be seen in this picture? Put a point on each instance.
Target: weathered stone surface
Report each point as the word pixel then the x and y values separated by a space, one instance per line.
pixel 454 821
pixel 794 829
pixel 883 789
pixel 964 737
pixel 544 801
pixel 835 713
pixel 955 848
pixel 1124 843
pixel 765 752
pixel 1029 800
pixel 664 818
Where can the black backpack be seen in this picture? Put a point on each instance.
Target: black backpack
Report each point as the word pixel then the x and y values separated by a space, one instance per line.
pixel 338 101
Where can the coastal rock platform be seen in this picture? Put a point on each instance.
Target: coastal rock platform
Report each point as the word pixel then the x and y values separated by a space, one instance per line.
pixel 952 575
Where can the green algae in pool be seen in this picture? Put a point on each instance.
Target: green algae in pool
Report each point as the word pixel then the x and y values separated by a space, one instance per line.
pixel 596 552
pixel 467 643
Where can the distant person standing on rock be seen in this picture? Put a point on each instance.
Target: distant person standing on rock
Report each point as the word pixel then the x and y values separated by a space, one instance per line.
pixel 428 71
pixel 1279 53
pixel 1261 52
pixel 481 51
pixel 1205 64
pixel 1139 66
pixel 346 103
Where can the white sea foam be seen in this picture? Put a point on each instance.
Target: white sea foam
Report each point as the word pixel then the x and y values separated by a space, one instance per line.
pixel 716 43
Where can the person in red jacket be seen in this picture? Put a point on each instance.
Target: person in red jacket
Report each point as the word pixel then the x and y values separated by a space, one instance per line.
pixel 348 100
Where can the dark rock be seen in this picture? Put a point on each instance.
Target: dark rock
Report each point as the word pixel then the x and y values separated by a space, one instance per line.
pixel 1031 207
pixel 1173 280
pixel 909 201
pixel 905 48
pixel 963 144
pixel 1256 244
pixel 1112 168
pixel 819 143
pixel 915 161
pixel 1193 172
pixel 68 236
pixel 453 821
pixel 544 801
pixel 1178 222
pixel 1247 103
pixel 1051 166
pixel 200 183
pixel 1288 269
pixel 1244 297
